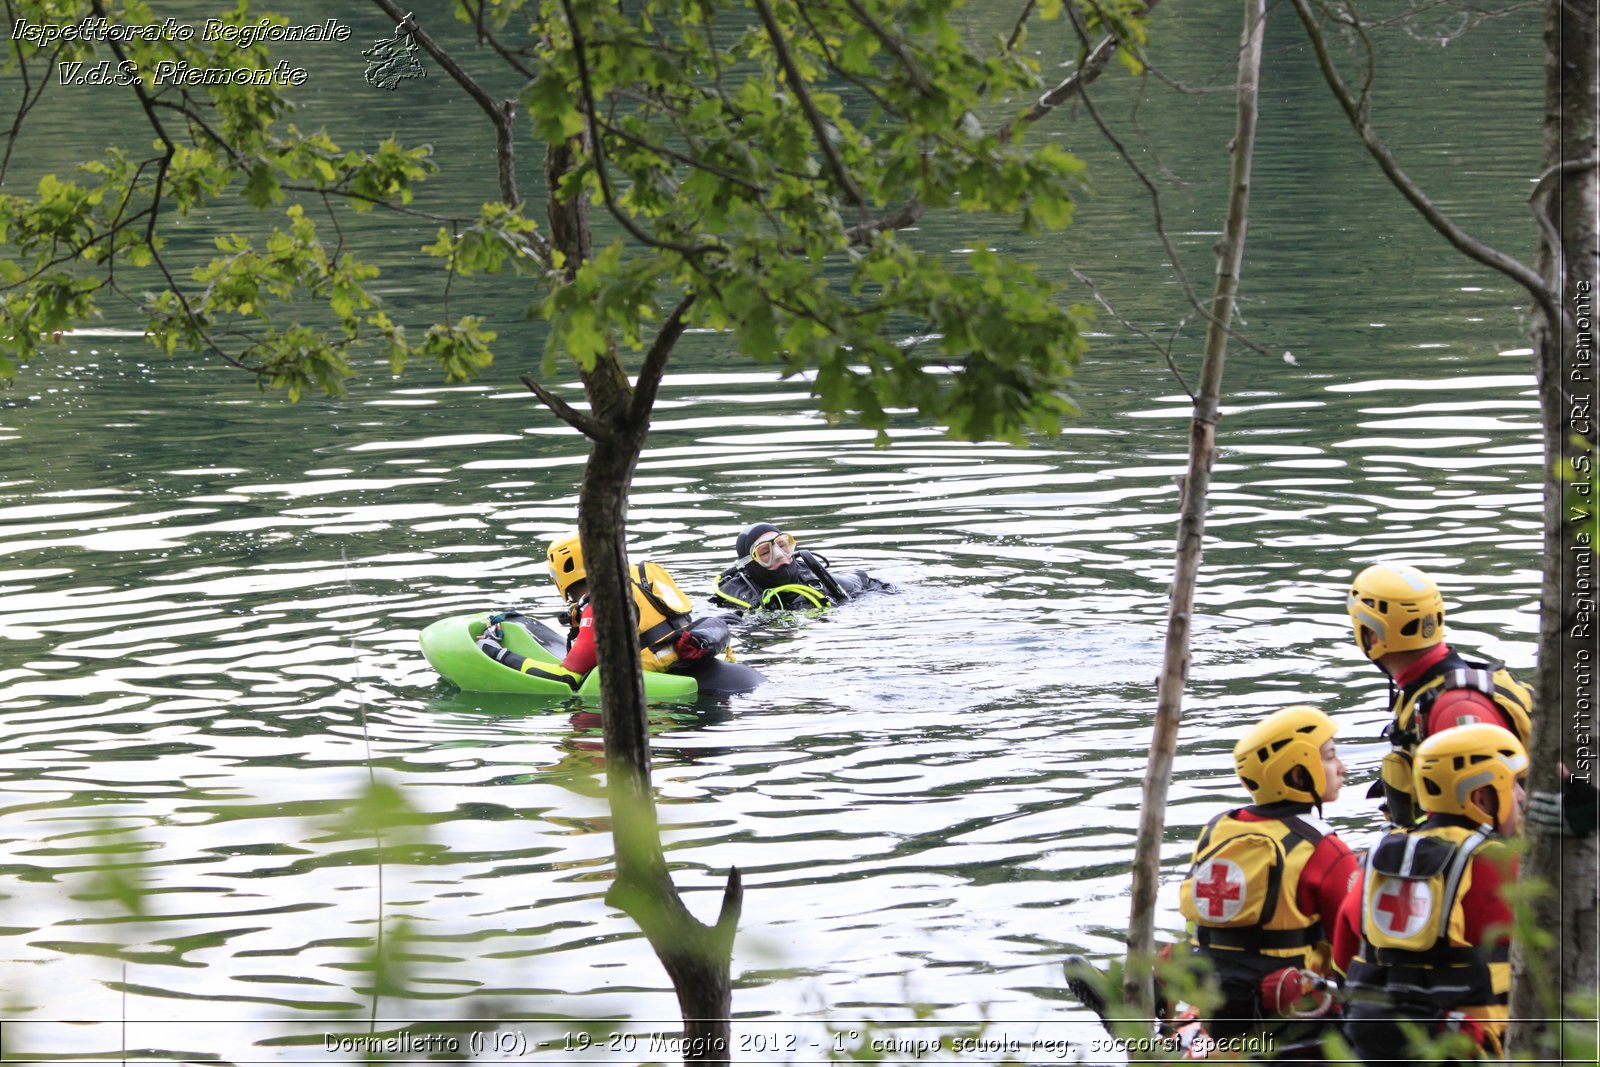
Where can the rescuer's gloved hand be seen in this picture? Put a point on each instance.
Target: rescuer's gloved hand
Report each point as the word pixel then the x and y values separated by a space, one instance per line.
pixel 704 637
pixel 690 646
pixel 1573 811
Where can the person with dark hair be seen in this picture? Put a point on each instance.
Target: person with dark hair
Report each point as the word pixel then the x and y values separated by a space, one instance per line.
pixel 773 573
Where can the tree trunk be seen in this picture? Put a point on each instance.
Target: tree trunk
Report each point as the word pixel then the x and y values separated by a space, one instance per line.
pixel 1562 733
pixel 1137 985
pixel 696 957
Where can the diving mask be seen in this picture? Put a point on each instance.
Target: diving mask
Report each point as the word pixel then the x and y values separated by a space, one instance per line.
pixel 773 552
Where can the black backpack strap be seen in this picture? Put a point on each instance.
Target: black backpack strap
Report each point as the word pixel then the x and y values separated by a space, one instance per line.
pixel 1303 831
pixel 1205 835
pixel 829 582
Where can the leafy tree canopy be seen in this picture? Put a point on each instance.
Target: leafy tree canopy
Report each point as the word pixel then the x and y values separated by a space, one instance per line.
pixel 754 165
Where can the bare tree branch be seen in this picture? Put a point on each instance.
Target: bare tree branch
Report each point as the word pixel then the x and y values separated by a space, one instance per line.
pixel 1539 204
pixel 502 113
pixel 1164 349
pixel 1356 111
pixel 1094 62
pixel 1137 977
pixel 899 219
pixel 564 411
pixel 30 96
pixel 485 37
pixel 1088 70
pixel 147 104
pixel 1159 221
pixel 1015 35
pixel 648 382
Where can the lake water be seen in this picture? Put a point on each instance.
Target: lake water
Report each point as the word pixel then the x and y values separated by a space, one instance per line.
pixel 210 602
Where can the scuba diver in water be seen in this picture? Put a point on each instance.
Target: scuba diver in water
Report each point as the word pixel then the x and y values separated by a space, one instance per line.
pixel 670 638
pixel 772 573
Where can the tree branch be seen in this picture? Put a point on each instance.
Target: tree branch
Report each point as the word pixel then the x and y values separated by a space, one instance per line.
pixel 648 382
pixel 1015 35
pixel 1090 69
pixel 484 35
pixel 689 161
pixel 563 410
pixel 1155 201
pixel 821 40
pixel 1087 71
pixel 797 84
pixel 1539 204
pixel 189 113
pixel 728 914
pixel 1164 349
pixel 893 44
pixel 1173 258
pixel 591 113
pixel 1356 112
pixel 501 113
pixel 30 96
pixel 147 104
pixel 898 219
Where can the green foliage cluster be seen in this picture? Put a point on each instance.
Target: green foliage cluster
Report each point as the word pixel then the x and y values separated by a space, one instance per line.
pixel 757 165
pixel 280 301
pixel 758 186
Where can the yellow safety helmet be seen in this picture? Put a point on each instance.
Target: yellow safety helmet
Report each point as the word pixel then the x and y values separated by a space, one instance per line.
pixel 566 562
pixel 1275 746
pixel 1452 764
pixel 1399 606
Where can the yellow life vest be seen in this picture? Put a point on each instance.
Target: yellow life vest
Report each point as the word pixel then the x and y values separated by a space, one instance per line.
pixel 1242 891
pixel 663 614
pixel 1413 925
pixel 1410 711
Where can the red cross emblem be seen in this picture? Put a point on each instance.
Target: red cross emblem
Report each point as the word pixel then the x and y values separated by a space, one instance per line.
pixel 1220 884
pixel 1405 902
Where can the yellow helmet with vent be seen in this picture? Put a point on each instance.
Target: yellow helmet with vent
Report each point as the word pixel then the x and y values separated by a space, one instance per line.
pixel 1395 609
pixel 1453 764
pixel 1278 744
pixel 566 563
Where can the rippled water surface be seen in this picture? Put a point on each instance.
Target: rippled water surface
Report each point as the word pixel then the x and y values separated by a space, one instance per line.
pixel 210 602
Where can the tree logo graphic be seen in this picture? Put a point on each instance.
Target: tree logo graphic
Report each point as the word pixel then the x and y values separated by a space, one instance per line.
pixel 393 60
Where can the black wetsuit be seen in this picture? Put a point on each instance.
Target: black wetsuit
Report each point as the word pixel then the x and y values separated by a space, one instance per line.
pixel 805 583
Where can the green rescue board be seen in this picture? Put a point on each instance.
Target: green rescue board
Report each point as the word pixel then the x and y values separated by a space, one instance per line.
pixel 451 647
